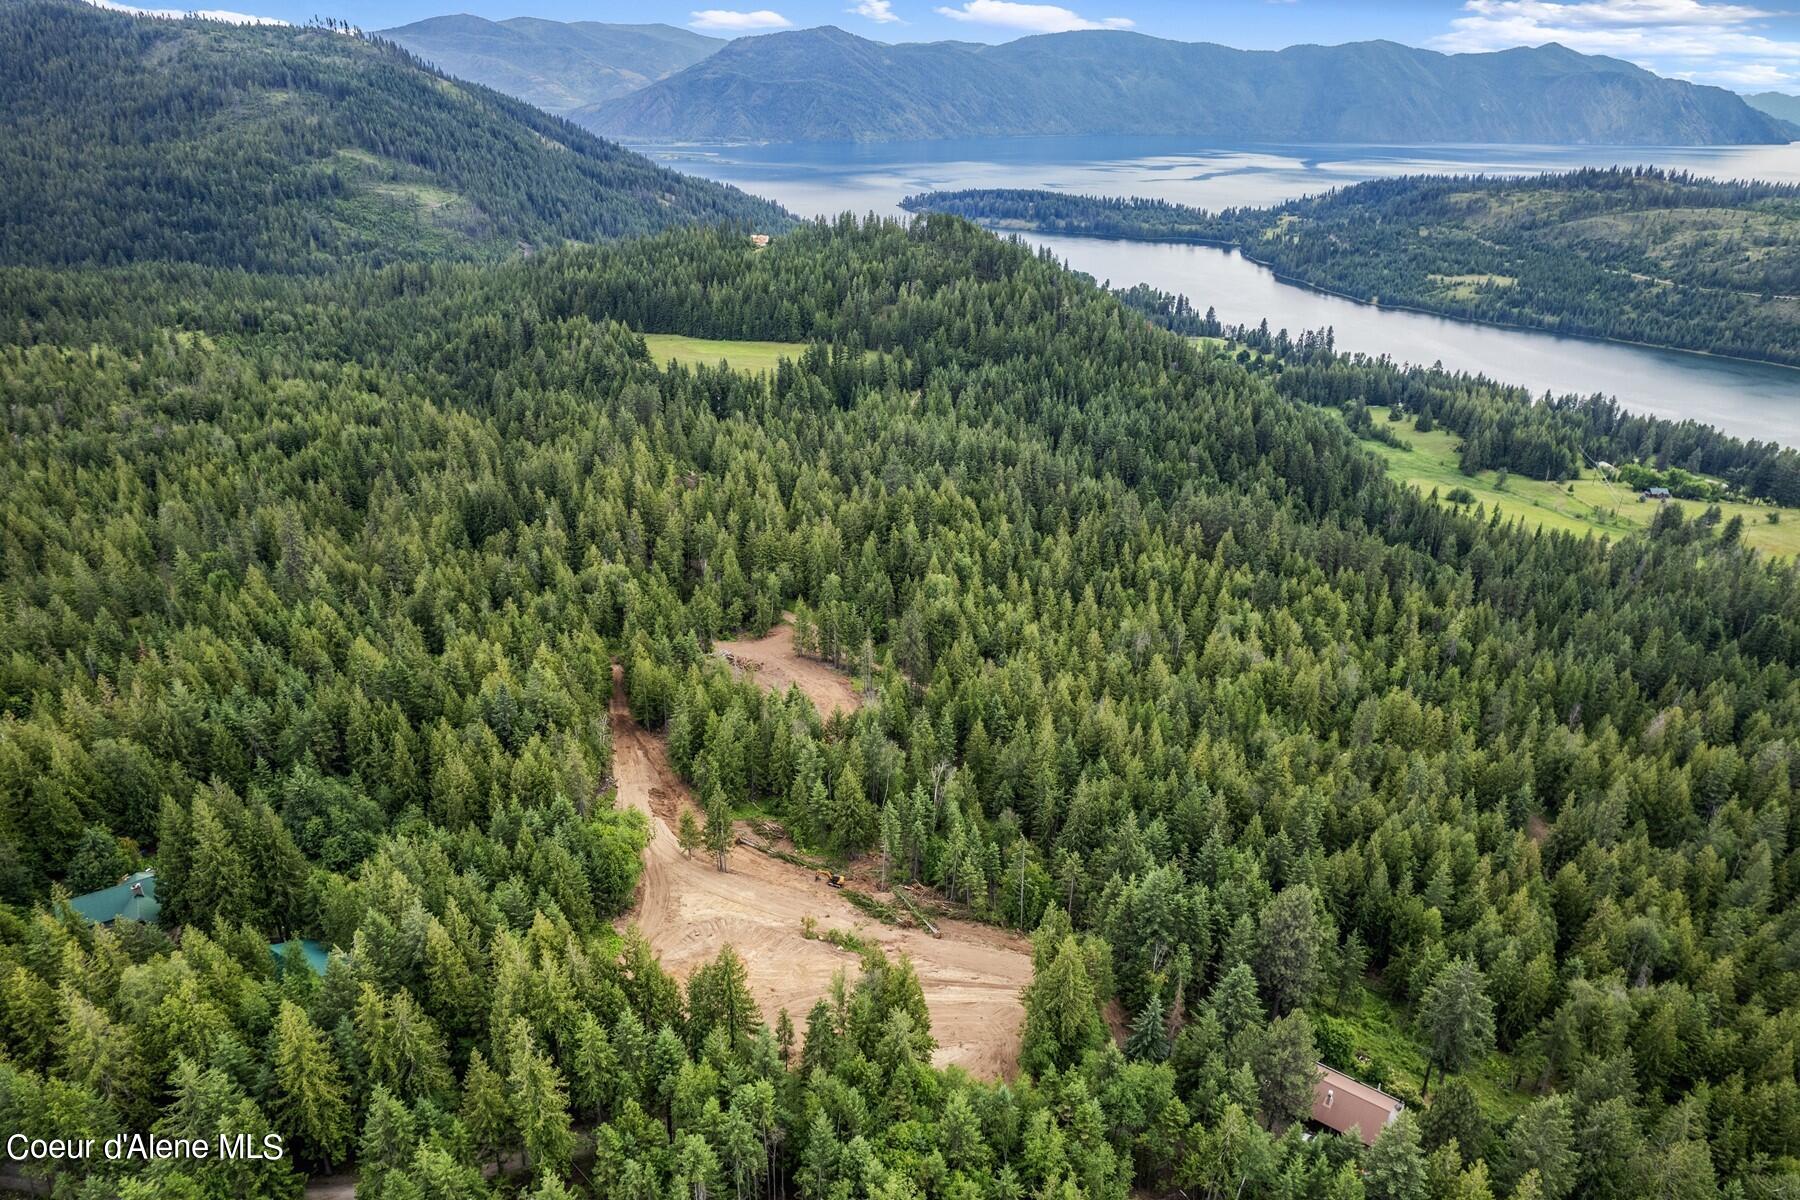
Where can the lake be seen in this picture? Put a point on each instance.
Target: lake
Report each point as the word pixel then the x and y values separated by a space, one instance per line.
pixel 1753 400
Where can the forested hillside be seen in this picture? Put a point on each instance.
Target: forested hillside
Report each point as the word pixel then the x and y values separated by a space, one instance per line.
pixel 828 85
pixel 339 538
pixel 312 590
pixel 1641 255
pixel 123 139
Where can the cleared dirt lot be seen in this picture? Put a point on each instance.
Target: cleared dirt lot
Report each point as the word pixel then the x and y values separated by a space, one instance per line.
pixel 776 664
pixel 972 976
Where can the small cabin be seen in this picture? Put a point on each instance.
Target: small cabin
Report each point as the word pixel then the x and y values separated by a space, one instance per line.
pixel 131 899
pixel 1656 493
pixel 759 240
pixel 1341 1104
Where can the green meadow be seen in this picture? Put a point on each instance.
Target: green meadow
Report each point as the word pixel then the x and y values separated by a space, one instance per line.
pixel 1586 505
pixel 708 352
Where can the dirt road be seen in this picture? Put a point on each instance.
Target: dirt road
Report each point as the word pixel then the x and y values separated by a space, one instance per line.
pixel 971 977
pixel 777 664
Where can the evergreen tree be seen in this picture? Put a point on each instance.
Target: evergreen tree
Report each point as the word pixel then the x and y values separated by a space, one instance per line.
pixel 1394 1168
pixel 539 1104
pixel 309 1102
pixel 1149 1031
pixel 1287 1069
pixel 1287 949
pixel 719 999
pixel 1062 1020
pixel 487 1113
pixel 1456 1018
pixel 720 834
pixel 688 835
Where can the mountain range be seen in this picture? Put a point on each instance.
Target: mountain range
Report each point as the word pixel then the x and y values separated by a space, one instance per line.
pixel 1778 105
pixel 124 138
pixel 828 85
pixel 556 65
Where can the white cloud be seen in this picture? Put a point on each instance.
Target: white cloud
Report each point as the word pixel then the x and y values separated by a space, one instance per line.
pixel 1720 43
pixel 879 11
pixel 204 14
pixel 1758 76
pixel 726 21
pixel 1033 18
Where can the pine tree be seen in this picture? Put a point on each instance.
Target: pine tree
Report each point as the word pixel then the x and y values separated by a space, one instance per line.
pixel 1287 1070
pixel 1542 1142
pixel 486 1112
pixel 539 1102
pixel 309 1102
pixel 1149 1032
pixel 1394 1167
pixel 688 835
pixel 1287 949
pixel 719 998
pixel 1457 1018
pixel 1062 1020
pixel 387 1143
pixel 891 840
pixel 720 834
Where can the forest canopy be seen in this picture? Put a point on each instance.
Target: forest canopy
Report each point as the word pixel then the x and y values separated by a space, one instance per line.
pixel 312 590
pixel 331 540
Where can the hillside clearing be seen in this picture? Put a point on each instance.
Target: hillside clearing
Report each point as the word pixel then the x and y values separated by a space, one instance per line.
pixel 777 666
pixel 710 352
pixel 972 977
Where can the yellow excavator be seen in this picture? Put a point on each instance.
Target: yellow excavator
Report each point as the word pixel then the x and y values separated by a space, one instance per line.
pixel 831 877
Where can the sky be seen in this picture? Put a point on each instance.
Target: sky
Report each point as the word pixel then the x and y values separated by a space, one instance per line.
pixel 1744 46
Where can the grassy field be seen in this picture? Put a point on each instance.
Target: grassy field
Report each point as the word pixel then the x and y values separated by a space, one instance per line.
pixel 1587 505
pixel 706 352
pixel 1386 1052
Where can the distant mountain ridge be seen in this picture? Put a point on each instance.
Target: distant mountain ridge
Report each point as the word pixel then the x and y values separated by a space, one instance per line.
pixel 556 65
pixel 1778 105
pixel 828 85
pixel 126 139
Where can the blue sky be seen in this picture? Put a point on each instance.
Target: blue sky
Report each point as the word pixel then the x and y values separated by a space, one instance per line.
pixel 1747 46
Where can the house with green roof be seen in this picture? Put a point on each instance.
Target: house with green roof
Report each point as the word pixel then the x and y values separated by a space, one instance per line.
pixel 312 953
pixel 131 899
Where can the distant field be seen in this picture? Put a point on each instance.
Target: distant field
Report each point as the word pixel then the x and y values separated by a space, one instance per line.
pixel 708 352
pixel 1594 505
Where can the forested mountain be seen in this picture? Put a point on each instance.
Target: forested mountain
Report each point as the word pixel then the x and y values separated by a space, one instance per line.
pixel 828 85
pixel 329 558
pixel 312 587
pixel 556 65
pixel 1642 255
pixel 123 138
pixel 1778 105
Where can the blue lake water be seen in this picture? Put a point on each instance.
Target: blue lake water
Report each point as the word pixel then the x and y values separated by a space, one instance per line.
pixel 1749 399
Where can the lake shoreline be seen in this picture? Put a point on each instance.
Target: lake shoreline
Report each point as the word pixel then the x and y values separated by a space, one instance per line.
pixel 1321 289
pixel 1744 396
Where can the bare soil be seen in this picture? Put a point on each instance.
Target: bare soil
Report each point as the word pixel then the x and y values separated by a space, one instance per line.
pixel 777 665
pixel 972 976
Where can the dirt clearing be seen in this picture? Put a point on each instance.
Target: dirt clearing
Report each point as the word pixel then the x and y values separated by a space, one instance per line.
pixel 972 976
pixel 776 664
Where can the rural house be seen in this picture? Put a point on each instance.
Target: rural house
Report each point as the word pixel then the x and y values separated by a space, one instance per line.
pixel 132 898
pixel 1341 1104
